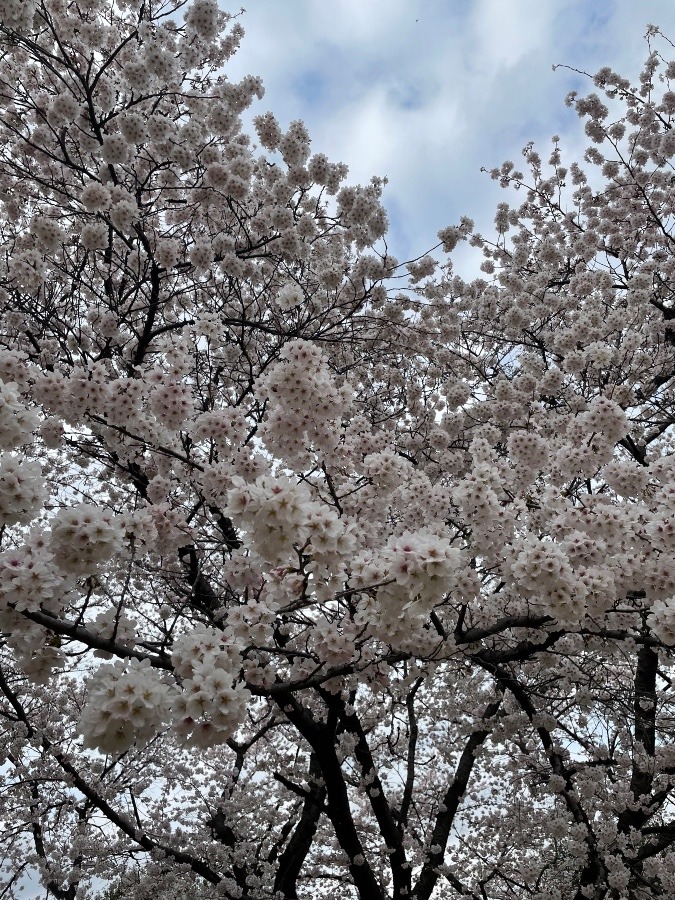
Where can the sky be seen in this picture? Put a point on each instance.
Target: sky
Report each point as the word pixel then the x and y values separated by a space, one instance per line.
pixel 426 92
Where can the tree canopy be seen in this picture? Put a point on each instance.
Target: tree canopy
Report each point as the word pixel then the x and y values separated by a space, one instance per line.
pixel 322 574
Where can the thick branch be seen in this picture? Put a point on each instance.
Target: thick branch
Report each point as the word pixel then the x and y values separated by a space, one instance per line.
pixel 644 711
pixel 322 741
pixel 292 859
pixel 400 868
pixel 444 820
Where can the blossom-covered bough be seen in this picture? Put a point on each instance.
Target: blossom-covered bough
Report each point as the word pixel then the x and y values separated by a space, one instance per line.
pixel 316 581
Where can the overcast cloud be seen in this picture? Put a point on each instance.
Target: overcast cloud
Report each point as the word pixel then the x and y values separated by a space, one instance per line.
pixel 426 92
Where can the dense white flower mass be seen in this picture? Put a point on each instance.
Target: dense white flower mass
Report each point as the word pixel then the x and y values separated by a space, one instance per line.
pixel 213 700
pixel 28 576
pixel 47 232
pixel 83 538
pixel 17 423
pixel 203 16
pixel 289 297
pixel 123 214
pixel 276 511
pixel 543 572
pixel 95 197
pixel 528 450
pixel 408 577
pixel 22 489
pixel 662 620
pixel 132 126
pixel 94 236
pixel 27 269
pixel 128 702
pixel 376 555
pixel 17 14
pixel 300 387
pixel 114 625
pixel 606 416
pixel 171 403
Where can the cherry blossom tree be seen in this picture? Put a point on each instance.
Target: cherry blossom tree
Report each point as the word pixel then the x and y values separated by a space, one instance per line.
pixel 323 575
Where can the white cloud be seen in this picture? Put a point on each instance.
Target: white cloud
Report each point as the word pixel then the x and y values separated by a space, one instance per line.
pixel 356 22
pixel 506 33
pixel 428 92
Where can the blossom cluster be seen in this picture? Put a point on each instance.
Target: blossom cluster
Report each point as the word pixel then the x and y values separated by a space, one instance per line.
pixel 17 423
pixel 114 625
pixel 27 269
pixel 127 703
pixel 204 18
pixel 290 296
pixel 213 700
pixel 37 653
pixel 171 402
pixel 542 571
pixel 528 450
pixel 476 495
pixel 17 14
pixel 22 489
pixel 607 417
pixel 47 232
pixel 83 537
pixel 361 210
pixel 29 576
pixel 225 427
pixel 304 404
pixel 661 620
pixel 408 577
pixel 280 516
